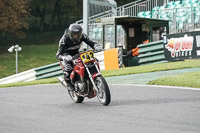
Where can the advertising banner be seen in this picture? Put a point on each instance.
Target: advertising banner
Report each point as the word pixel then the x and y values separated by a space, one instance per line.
pixel 182 46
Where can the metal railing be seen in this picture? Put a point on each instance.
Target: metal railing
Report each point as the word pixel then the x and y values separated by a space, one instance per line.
pixel 132 9
pixel 129 9
pixel 150 53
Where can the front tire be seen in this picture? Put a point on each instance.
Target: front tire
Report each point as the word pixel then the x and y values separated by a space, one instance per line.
pixel 103 92
pixel 75 97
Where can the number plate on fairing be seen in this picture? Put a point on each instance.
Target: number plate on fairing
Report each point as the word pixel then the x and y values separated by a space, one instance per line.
pixel 87 56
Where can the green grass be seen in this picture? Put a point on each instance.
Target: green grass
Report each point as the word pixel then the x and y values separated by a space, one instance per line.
pixel 31 56
pixel 131 70
pixel 154 67
pixel 186 79
pixel 36 82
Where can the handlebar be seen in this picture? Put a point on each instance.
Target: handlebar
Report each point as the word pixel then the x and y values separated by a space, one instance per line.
pixel 98 50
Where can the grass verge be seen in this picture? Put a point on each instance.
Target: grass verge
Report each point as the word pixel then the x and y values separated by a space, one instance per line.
pixel 186 80
pixel 35 82
pixel 126 71
pixel 152 68
pixel 31 56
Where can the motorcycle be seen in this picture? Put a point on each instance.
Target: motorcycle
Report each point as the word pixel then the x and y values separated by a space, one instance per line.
pixel 87 79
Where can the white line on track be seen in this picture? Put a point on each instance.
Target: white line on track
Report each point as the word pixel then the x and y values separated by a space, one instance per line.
pixel 160 86
pixel 156 86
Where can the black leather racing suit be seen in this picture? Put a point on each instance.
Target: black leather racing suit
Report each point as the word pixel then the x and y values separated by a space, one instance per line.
pixel 68 47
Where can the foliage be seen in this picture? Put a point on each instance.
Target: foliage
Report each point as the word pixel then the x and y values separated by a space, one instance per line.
pixel 55 12
pixel 12 16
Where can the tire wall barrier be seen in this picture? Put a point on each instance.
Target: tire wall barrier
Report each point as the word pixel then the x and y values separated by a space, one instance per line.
pixel 151 53
pixel 49 71
pixel 20 77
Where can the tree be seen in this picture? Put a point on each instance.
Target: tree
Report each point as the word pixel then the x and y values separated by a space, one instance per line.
pixel 64 11
pixel 57 14
pixel 45 10
pixel 12 16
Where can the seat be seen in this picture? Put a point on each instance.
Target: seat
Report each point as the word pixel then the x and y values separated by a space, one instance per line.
pixel 147 13
pixel 194 1
pixel 172 6
pixel 178 6
pixel 165 17
pixel 177 3
pixel 170 3
pixel 155 8
pixel 186 2
pixel 141 14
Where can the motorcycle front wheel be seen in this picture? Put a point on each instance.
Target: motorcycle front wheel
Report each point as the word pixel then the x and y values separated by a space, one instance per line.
pixel 75 97
pixel 103 92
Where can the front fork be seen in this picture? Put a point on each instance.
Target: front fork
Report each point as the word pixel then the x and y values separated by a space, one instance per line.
pixel 90 75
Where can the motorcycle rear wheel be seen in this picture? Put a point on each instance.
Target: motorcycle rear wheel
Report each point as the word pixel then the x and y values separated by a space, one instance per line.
pixel 103 92
pixel 75 97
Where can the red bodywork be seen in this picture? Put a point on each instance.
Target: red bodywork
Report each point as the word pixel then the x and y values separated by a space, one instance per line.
pixel 80 70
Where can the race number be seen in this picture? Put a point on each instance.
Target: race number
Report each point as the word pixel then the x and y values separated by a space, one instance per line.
pixel 88 56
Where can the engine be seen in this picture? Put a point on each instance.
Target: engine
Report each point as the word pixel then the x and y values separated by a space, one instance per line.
pixel 80 86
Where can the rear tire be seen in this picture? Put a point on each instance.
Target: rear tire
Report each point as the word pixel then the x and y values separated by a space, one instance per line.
pixel 103 93
pixel 75 97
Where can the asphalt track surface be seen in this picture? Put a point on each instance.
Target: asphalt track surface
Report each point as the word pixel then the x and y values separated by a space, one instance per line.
pixel 133 109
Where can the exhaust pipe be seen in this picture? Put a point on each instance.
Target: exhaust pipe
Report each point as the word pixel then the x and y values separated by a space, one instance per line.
pixel 62 81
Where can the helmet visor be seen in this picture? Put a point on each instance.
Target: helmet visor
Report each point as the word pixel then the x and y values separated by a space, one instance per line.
pixel 75 36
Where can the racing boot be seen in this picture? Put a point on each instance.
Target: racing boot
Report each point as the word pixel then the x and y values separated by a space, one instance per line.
pixel 68 81
pixel 69 85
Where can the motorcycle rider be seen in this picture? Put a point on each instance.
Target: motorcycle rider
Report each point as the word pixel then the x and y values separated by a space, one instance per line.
pixel 69 46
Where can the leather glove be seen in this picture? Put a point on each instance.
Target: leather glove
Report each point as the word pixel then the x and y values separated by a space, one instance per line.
pixel 67 58
pixel 97 48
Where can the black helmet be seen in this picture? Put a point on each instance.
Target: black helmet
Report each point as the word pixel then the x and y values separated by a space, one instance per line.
pixel 75 32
